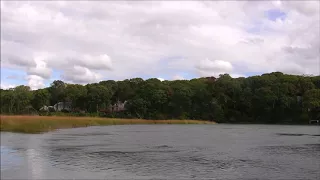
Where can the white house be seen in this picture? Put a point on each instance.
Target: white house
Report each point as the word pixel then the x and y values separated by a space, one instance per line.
pixel 62 106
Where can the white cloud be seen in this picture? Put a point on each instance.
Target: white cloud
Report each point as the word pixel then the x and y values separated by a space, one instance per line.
pixel 277 3
pixel 7 86
pixel 94 62
pixel 80 75
pixel 178 77
pixel 117 40
pixel 237 75
pixel 35 82
pixel 214 68
pixel 40 69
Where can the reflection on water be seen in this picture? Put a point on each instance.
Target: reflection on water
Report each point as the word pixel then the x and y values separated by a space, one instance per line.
pixel 9 158
pixel 164 152
pixel 34 160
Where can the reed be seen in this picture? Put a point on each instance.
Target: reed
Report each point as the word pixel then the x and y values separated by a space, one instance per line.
pixel 40 124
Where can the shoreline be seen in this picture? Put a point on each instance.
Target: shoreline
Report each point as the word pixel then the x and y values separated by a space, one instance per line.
pixel 291 124
pixel 43 124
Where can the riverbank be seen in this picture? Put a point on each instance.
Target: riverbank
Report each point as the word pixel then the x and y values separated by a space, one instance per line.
pixel 40 124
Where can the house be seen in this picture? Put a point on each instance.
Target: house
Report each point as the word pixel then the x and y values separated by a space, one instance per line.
pixel 46 108
pixel 63 106
pixel 117 107
pixel 58 107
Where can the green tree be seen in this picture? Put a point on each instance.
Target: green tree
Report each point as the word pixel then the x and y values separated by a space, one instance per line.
pixel 267 98
pixel 22 96
pixel 98 96
pixel 311 99
pixel 41 97
pixel 76 94
pixel 57 91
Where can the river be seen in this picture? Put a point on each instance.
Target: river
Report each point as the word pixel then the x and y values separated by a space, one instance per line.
pixel 238 152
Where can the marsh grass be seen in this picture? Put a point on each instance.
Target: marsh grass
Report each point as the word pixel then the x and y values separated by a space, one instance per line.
pixel 40 124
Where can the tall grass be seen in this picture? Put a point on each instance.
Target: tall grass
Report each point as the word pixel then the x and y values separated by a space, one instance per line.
pixel 40 124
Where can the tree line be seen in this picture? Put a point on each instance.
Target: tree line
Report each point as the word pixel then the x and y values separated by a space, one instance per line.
pixel 268 98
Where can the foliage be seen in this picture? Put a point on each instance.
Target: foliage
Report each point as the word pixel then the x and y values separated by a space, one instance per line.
pixel 269 98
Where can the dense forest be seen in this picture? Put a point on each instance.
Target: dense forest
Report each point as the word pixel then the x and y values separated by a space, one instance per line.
pixel 268 98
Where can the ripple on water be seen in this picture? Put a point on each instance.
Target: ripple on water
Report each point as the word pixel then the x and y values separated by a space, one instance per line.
pixel 188 152
pixel 296 134
pixel 89 134
pixel 305 150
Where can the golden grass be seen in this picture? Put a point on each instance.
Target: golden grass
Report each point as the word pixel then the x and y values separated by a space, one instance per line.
pixel 39 124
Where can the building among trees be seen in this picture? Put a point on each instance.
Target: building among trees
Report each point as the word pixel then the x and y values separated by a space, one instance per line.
pixel 267 98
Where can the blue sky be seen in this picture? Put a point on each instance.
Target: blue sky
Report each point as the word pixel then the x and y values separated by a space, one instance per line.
pixel 12 76
pixel 274 14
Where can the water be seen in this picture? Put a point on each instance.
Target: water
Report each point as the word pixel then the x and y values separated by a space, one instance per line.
pixel 165 152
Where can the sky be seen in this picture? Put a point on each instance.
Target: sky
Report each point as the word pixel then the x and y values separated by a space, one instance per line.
pixel 89 41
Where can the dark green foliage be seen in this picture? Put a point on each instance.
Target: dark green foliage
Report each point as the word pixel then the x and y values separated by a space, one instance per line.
pixel 269 98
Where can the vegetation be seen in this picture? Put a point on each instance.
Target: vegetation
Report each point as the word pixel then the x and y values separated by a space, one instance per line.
pixel 269 98
pixel 38 124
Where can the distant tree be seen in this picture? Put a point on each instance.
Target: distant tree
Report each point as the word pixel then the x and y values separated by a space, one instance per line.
pixel 57 91
pixel 268 98
pixel 76 94
pixel 41 97
pixel 98 96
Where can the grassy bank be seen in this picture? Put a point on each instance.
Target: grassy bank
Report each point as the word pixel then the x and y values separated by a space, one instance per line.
pixel 39 124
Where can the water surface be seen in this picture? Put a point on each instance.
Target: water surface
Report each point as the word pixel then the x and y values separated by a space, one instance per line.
pixel 164 152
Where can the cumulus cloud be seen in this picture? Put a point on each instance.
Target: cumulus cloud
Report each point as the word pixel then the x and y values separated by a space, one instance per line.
pixel 99 62
pixel 7 86
pixel 214 67
pixel 117 40
pixel 35 82
pixel 40 69
pixel 79 74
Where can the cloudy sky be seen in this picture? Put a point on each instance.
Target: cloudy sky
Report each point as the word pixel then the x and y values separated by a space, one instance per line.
pixel 84 42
